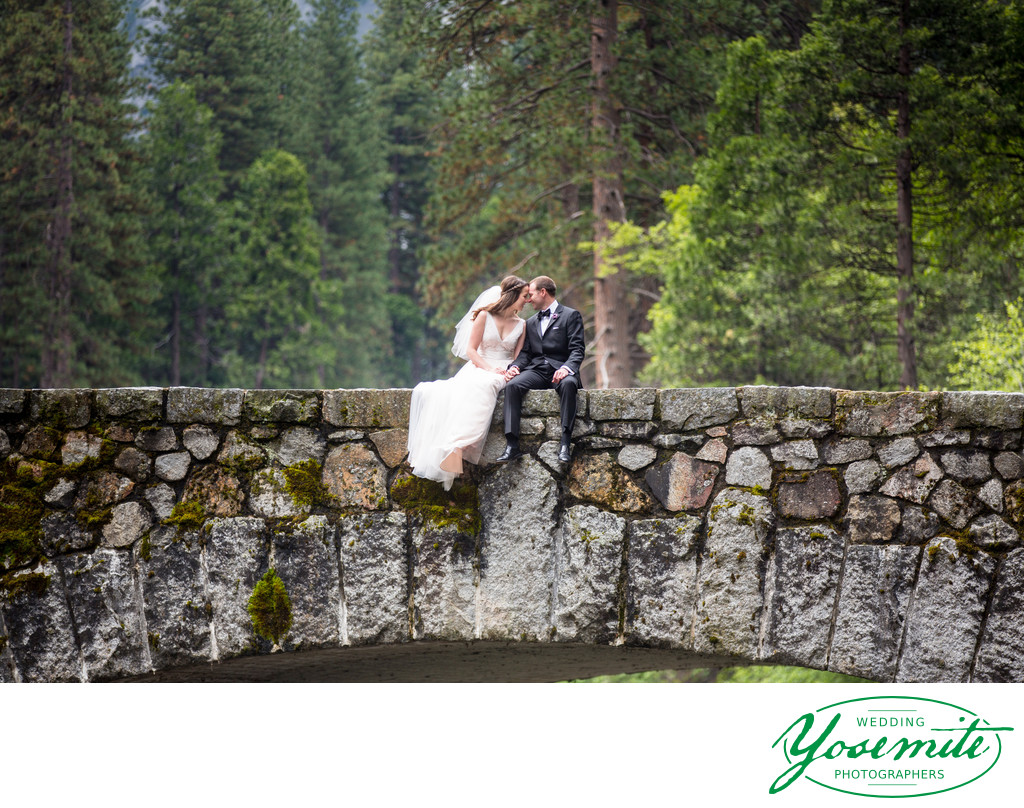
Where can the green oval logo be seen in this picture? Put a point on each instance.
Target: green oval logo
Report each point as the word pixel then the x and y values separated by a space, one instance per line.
pixel 889 746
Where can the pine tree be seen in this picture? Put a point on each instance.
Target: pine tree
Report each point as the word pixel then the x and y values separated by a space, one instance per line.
pixel 338 138
pixel 239 58
pixel 236 54
pixel 73 282
pixel 567 118
pixel 891 66
pixel 406 109
pixel 805 254
pixel 187 236
pixel 278 339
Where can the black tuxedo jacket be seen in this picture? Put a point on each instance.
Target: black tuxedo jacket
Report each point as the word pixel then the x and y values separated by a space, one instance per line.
pixel 562 344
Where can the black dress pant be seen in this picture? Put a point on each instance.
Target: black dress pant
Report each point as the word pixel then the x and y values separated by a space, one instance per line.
pixel 539 378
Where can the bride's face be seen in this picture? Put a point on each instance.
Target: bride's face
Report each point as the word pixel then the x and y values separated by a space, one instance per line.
pixel 524 298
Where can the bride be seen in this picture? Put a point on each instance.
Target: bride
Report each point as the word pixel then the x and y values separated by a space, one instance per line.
pixel 449 418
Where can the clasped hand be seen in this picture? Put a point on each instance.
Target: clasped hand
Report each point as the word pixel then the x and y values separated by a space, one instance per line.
pixel 513 371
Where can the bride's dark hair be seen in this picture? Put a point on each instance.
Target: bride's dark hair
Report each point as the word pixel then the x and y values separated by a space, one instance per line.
pixel 511 286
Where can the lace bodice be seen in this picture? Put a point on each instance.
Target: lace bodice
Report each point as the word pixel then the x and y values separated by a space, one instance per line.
pixel 492 346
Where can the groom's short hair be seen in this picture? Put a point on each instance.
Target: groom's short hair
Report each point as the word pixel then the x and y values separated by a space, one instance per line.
pixel 544 282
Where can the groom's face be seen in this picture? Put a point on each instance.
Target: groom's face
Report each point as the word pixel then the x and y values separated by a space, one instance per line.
pixel 539 298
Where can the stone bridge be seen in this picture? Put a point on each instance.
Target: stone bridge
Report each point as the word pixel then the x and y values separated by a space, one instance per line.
pixel 198 534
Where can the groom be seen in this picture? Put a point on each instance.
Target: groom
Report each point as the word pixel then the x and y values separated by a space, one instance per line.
pixel 551 356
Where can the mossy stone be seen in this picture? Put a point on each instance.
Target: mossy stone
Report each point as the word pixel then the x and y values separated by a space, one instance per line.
pixel 12 401
pixel 281 406
pixel 186 516
pixel 23 487
pixel 130 403
pixel 33 584
pixel 304 484
pixel 458 508
pixel 61 409
pixel 204 406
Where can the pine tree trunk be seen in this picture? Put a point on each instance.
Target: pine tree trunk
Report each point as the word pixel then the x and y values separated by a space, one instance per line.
pixel 176 299
pixel 324 222
pixel 202 342
pixel 56 359
pixel 395 251
pixel 905 220
pixel 611 310
pixel 176 336
pixel 261 367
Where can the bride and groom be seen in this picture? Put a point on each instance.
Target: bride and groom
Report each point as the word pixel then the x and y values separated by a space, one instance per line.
pixel 449 419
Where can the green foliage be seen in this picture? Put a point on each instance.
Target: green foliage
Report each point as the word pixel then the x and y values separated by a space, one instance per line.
pixel 270 608
pixel 188 235
pixel 74 285
pixel 237 55
pixel 456 142
pixel 784 674
pixel 271 82
pixel 228 246
pixel 991 357
pixel 277 337
pixel 780 264
pixel 518 150
pixel 405 106
pixel 510 145
pixel 339 140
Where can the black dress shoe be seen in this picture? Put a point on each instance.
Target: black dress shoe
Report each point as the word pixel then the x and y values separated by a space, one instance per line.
pixel 511 453
pixel 564 453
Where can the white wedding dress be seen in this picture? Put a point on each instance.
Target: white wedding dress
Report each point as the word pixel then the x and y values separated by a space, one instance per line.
pixel 449 419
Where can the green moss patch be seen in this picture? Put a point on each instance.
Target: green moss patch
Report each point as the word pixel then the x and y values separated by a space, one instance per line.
pixel 93 518
pixel 965 546
pixel 145 548
pixel 186 516
pixel 270 608
pixel 22 488
pixel 458 508
pixel 303 482
pixel 33 584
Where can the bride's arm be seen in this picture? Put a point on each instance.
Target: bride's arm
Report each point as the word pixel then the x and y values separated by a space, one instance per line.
pixel 475 337
pixel 519 344
pixel 513 369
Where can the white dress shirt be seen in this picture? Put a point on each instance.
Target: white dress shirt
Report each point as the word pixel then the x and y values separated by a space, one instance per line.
pixel 545 324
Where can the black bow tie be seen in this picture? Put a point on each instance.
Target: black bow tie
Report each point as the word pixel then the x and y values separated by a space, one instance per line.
pixel 542 314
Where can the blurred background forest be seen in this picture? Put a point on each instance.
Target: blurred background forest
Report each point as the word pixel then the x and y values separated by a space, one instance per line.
pixel 267 193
